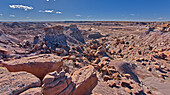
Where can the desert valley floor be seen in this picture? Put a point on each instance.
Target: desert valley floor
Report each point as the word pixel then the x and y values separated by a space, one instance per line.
pixel 85 58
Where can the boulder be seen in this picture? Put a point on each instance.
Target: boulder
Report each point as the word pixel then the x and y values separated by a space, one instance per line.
pixel 58 84
pixel 96 61
pixel 167 53
pixel 126 83
pixel 59 50
pixel 85 80
pixel 106 78
pixel 16 82
pixel 157 67
pixel 38 65
pixel 44 46
pixel 33 91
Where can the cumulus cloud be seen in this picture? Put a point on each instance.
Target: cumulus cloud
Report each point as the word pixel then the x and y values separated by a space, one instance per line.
pixel 58 12
pixel 78 15
pixel 46 11
pixel 1 14
pixel 12 15
pixel 21 7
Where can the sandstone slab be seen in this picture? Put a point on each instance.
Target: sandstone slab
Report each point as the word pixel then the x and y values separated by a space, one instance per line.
pixel 17 82
pixel 33 91
pixel 38 65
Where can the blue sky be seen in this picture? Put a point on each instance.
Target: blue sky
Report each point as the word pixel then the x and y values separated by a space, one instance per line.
pixel 80 10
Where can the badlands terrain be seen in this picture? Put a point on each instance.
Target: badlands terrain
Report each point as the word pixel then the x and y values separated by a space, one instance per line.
pixel 85 58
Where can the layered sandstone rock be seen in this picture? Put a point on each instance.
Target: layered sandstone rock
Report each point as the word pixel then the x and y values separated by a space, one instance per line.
pixel 58 84
pixel 3 50
pixel 33 91
pixel 38 65
pixel 17 82
pixel 85 80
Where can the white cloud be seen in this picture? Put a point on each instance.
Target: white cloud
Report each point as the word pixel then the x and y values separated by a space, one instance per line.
pixel 49 11
pixel 1 14
pixel 78 15
pixel 49 0
pixel 21 7
pixel 132 14
pixel 12 15
pixel 160 18
pixel 46 11
pixel 27 17
pixel 58 12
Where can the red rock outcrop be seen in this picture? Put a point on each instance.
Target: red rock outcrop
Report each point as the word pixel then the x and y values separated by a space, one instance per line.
pixel 38 65
pixel 85 80
pixel 58 84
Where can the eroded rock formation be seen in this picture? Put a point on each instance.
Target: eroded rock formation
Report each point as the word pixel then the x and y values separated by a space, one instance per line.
pixel 58 84
pixel 85 80
pixel 38 65
pixel 14 83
